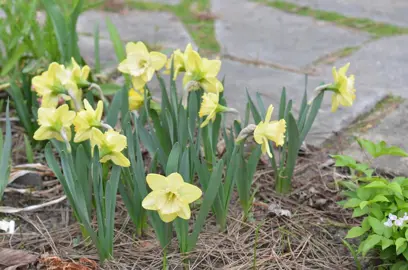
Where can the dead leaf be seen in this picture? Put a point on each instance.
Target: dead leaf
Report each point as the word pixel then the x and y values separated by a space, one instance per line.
pixel 56 263
pixel 12 258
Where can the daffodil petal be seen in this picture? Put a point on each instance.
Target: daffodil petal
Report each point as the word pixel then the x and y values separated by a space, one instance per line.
pixel 43 133
pixel 119 159
pixel 175 180
pixel 158 60
pixel 151 200
pixel 184 212
pixel 157 181
pixel 81 136
pixel 269 114
pixel 138 82
pixel 167 217
pixel 189 193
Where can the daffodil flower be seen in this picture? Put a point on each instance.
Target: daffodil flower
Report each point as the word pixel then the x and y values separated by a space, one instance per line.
pixel 270 130
pixel 110 144
pixel 49 87
pixel 74 73
pixel 343 88
pixel 178 58
pixel 202 71
pixel 141 64
pixel 86 119
pixel 210 107
pixel 170 196
pixel 54 123
pixel 136 99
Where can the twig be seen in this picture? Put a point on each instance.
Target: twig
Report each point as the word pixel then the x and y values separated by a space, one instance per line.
pixel 13 210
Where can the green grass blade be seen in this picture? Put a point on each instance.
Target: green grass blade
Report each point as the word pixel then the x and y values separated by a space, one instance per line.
pixel 116 40
pixel 73 48
pixel 317 102
pixel 13 60
pixel 28 150
pixel 5 155
pixel 255 113
pixel 282 104
pixel 21 108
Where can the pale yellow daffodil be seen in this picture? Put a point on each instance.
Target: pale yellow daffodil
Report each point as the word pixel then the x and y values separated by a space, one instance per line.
pixel 344 93
pixel 202 71
pixel 136 99
pixel 210 106
pixel 110 144
pixel 141 64
pixel 54 123
pixel 270 130
pixel 74 73
pixel 170 196
pixel 49 87
pixel 86 119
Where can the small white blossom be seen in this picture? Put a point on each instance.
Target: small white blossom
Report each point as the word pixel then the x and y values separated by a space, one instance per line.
pixel 388 223
pixel 399 222
pixel 405 217
pixel 392 217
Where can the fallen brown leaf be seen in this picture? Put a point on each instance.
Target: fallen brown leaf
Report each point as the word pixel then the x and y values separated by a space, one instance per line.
pixel 10 259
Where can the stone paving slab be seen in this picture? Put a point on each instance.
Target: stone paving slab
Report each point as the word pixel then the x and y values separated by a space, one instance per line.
pixel 107 56
pixel 253 31
pixel 380 65
pixel 389 11
pixel 168 2
pixel 155 28
pixel 392 130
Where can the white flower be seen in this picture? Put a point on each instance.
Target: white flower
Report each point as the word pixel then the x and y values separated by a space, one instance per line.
pixel 405 217
pixel 392 217
pixel 388 223
pixel 399 222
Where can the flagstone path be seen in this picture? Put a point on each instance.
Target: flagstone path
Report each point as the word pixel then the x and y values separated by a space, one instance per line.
pixel 264 49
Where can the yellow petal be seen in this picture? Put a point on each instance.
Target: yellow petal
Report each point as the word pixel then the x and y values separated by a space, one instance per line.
pixel 275 131
pixel 138 82
pixel 189 193
pixel 151 201
pixel 170 206
pixel 88 106
pixel 138 47
pixel 335 103
pixel 116 141
pixel 167 217
pixel 157 181
pixel 148 75
pixel 211 67
pixel 124 67
pixel 85 72
pixel 119 159
pixel 335 75
pixel 175 180
pixel 343 69
pixel 269 114
pixel 43 133
pixel 266 148
pixel 45 116
pixel 81 136
pixel 193 62
pixel 99 110
pixel 259 132
pixel 211 84
pixel 158 60
pixel 97 137
pixel 184 212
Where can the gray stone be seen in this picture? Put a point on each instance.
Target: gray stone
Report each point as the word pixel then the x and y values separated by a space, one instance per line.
pixel 255 32
pixel 393 131
pixel 107 54
pixel 155 28
pixel 380 65
pixel 389 11
pixel 28 180
pixel 168 2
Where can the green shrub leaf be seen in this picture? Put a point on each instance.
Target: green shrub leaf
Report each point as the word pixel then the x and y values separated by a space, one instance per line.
pixel 355 232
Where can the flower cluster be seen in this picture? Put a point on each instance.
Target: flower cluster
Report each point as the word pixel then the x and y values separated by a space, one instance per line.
pixel 393 220
pixel 60 84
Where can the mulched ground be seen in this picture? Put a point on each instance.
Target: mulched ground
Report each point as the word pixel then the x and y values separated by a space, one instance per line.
pixel 308 236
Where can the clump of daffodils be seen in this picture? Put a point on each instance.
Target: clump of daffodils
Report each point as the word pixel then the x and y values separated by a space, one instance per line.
pixel 393 220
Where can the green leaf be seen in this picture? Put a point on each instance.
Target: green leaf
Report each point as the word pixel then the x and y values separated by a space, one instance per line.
pixel 24 114
pixel 28 150
pixel 363 204
pixel 355 232
pixel 255 113
pixel 381 149
pixel 371 241
pixel 5 155
pixel 112 116
pixel 13 60
pixel 400 245
pixel 60 26
pixel 97 55
pixel 396 188
pixel 377 226
pixel 351 203
pixel 116 40
pixel 385 243
pixel 379 198
pixel 376 184
pixel 173 160
pixel 344 161
pixel 109 89
pixel 209 196
pixel 316 104
pixel 282 104
pixel 358 212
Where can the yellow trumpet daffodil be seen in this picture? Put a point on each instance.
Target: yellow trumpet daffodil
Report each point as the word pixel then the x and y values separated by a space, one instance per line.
pixel 344 92
pixel 210 106
pixel 270 130
pixel 54 123
pixel 202 71
pixel 49 87
pixel 179 60
pixel 86 119
pixel 136 99
pixel 110 144
pixel 141 64
pixel 170 196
